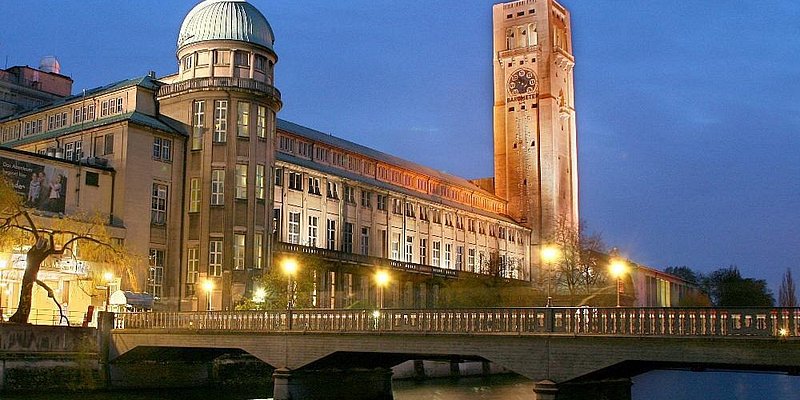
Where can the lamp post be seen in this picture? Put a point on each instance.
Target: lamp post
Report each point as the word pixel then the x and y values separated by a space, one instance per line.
pixel 289 268
pixel 107 278
pixel 208 287
pixel 381 279
pixel 550 254
pixel 617 269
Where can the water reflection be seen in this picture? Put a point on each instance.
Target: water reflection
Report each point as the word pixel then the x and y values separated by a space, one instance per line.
pixel 657 385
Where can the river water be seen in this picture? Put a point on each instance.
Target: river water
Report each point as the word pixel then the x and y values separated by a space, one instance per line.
pixel 658 385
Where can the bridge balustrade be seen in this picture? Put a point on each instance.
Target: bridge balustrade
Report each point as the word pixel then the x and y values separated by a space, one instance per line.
pixel 782 322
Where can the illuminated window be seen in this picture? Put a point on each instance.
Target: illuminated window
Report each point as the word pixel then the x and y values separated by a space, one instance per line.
pixel 294 227
pixel 241 181
pixel 158 205
pixel 194 195
pixel 261 123
pixel 239 250
pixel 258 250
pixel 313 230
pixel 331 235
pixel 198 112
pixel 243 119
pixel 261 182
pixel 220 121
pixel 215 257
pixel 217 187
pixel 192 269
pixel 155 277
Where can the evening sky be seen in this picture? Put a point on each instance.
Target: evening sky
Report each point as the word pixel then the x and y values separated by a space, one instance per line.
pixel 688 112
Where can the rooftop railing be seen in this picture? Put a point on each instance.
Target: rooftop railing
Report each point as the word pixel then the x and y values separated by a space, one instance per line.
pixel 672 322
pixel 218 82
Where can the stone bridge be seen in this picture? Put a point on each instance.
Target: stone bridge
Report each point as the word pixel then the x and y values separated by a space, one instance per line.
pixel 569 352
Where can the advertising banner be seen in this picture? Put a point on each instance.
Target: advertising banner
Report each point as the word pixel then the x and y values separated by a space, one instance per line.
pixel 41 186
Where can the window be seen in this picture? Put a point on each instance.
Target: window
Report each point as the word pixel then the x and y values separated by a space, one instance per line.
pixel 365 240
pixel 194 195
pixel 215 257
pixel 286 144
pixel 333 190
pixel 313 223
pixel 258 250
pixel 313 185
pixel 366 199
pixel 104 145
pixel 447 249
pixel 192 269
pixel 423 213
pixel 437 216
pixel 437 250
pixel 260 62
pixel 471 260
pixel 188 61
pixel 261 182
pixel 69 151
pixel 410 210
pixel 158 205
pixel 78 150
pixel 217 187
pixel 92 179
pixel 241 59
pixel 162 149
pixel 304 149
pixel 261 122
pixel 241 181
pixel 222 57
pixel 382 202
pixel 409 249
pixel 347 237
pixel 239 250
pixel 155 278
pixel 459 257
pixel 397 206
pixel 396 246
pixel 220 121
pixel 198 112
pixel 278 177
pixel 243 119
pixel 294 227
pixel 349 194
pixel 423 251
pixel 331 234
pixel 295 181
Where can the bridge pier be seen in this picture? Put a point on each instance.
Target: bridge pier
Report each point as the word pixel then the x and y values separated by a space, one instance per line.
pixel 350 384
pixel 611 389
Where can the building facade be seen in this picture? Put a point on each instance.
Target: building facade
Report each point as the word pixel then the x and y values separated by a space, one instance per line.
pixel 209 186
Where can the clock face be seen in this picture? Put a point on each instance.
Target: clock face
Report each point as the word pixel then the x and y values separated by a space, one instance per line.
pixel 522 81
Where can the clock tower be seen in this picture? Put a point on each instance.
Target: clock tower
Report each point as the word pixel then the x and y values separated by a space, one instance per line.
pixel 535 152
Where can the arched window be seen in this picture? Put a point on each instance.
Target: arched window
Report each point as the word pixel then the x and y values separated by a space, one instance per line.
pixel 509 39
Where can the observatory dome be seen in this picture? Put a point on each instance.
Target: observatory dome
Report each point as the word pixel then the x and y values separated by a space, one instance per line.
pixel 225 20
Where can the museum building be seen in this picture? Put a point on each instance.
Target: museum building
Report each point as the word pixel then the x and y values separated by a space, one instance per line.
pixel 207 185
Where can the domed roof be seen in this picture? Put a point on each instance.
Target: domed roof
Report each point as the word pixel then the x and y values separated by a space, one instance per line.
pixel 225 20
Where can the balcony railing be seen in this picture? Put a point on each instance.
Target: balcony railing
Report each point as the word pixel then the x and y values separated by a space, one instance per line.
pixel 781 323
pixel 352 258
pixel 219 82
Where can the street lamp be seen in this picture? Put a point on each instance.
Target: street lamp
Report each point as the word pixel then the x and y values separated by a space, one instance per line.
pixel 550 254
pixel 617 269
pixel 208 287
pixel 381 279
pixel 289 268
pixel 107 278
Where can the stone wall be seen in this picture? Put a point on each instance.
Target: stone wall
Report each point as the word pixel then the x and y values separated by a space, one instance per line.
pixel 49 358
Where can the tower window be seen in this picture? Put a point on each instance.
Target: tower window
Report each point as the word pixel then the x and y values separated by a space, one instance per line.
pixel 521 13
pixel 510 109
pixel 522 107
pixel 509 16
pixel 532 11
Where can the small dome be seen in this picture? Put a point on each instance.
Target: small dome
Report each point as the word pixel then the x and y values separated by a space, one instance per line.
pixel 225 20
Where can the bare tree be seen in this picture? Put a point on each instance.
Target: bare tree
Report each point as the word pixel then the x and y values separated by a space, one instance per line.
pixel 786 293
pixel 578 268
pixel 52 238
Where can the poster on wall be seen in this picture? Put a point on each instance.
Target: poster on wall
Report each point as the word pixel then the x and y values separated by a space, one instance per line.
pixel 41 186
